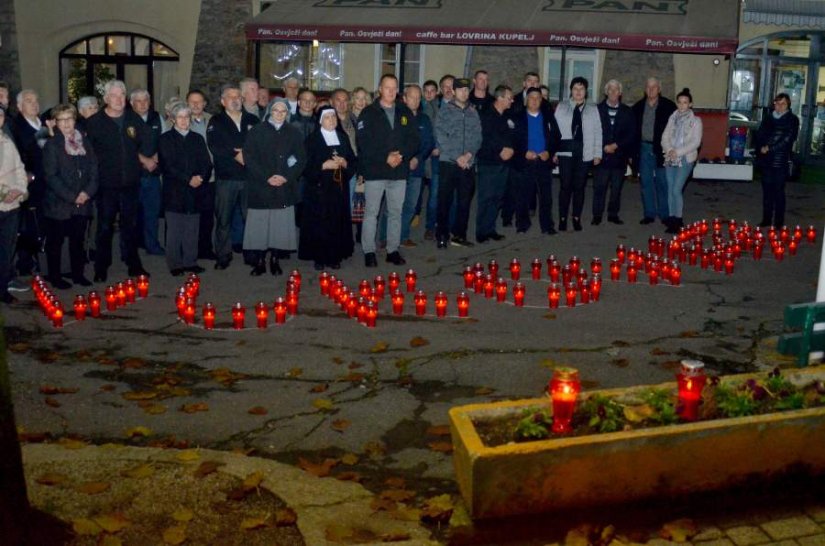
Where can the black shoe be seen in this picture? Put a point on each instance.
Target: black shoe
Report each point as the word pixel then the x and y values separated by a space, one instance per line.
pixel 481 240
pixel 646 220
pixel 195 269
pixel 259 269
pixel 221 265
pixel 138 271
pixel 596 221
pixel 58 283
pixel 369 260
pixel 461 241
pixel 577 224
pixel 562 224
pixel 101 276
pixel 177 272
pixel 319 266
pixel 442 243
pixel 496 236
pixel 615 220
pixel 551 231
pixel 396 258
pixel 237 248
pixel 81 281
pixel 275 267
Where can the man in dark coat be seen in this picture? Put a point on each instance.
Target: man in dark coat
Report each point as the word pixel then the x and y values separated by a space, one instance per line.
pixel 150 192
pixel 774 143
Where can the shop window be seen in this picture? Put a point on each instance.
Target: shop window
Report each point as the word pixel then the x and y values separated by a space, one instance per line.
pixel 317 65
pixel 563 64
pixel 388 61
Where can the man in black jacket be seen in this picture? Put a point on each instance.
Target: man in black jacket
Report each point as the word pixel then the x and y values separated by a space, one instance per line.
pixel 619 140
pixel 123 146
pixel 150 196
pixel 652 113
pixel 494 157
pixel 387 146
pixel 226 136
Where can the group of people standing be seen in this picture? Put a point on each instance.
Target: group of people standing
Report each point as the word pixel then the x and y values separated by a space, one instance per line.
pixel 270 176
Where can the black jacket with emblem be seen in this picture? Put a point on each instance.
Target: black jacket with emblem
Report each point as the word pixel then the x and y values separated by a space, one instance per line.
pixel 117 148
pixel 376 139
pixel 223 138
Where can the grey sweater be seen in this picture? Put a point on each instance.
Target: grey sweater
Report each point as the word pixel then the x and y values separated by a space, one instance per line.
pixel 457 131
pixel 591 128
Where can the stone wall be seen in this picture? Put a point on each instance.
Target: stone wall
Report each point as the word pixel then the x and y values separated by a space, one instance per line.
pixel 632 68
pixel 220 49
pixel 9 58
pixel 506 64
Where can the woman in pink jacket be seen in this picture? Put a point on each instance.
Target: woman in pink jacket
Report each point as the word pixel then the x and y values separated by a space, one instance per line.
pixel 680 144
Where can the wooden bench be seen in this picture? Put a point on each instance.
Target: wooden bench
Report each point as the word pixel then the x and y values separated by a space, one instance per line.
pixel 802 317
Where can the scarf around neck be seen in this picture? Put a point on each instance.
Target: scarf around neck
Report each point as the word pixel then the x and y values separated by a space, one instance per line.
pixel 74 144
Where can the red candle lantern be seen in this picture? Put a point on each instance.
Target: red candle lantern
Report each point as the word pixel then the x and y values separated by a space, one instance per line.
pixel 553 295
pixel 501 290
pixel 570 293
pixel 632 273
pixel 706 254
pixel 691 380
pixel 411 278
pixel 535 269
pixel 469 277
pixel 718 261
pixel 779 252
pixel 51 305
pixel 575 264
pixel 364 288
pixel 111 298
pixel 280 308
pixel 584 291
pixel 693 256
pixel 731 227
pixel 420 300
pixel 596 266
pixel 596 287
pixel 120 294
pixel 564 389
pixel 371 315
pixel 361 311
pixel 717 224
pixel 797 232
pixel 581 275
pixel 518 294
pixel 784 234
pixel 189 289
pixel 296 278
pixel 463 303
pixel 209 316
pixel 380 286
pixel 615 269
pixel 238 316
pixel 397 302
pixel 352 305
pixel 180 302
pixel 441 304
pixel 515 269
pixel 729 263
pixel 94 304
pixel 336 291
pixel 664 270
pixel 196 283
pixel 492 268
pixel 620 253
pixel 261 313
pixel 554 270
pixel 478 283
pixel 792 246
pixel 478 267
pixel 80 307
pixel 131 291
pixel 143 286
pixel 811 234
pixel 292 302
pixel 550 259
pixel 57 315
pixel 394 280
pixel 653 275
pixel 189 311
pixel 675 274
pixel 323 282
pixel 566 273
pixel 489 286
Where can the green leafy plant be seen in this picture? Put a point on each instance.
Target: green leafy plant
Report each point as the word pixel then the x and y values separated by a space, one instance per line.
pixel 734 402
pixel 661 400
pixel 793 401
pixel 534 425
pixel 604 414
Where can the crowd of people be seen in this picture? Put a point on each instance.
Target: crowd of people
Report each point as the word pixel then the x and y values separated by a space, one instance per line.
pixel 271 175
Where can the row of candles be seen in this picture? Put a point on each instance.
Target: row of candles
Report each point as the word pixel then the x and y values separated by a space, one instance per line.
pixel 572 277
pixel 362 304
pixel 187 295
pixel 115 296
pixel 565 386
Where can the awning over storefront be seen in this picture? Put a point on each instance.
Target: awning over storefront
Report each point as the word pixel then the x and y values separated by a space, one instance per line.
pixel 687 26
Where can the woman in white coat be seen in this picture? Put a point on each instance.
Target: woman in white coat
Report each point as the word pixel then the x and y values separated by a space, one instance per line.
pixel 680 144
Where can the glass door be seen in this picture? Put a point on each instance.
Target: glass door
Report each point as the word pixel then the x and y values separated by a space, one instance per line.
pixel 792 78
pixel 817 147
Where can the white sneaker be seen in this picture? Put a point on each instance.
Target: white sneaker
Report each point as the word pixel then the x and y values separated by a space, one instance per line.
pixel 18 286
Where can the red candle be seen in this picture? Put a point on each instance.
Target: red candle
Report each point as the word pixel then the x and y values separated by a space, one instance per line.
pixel 323 282
pixel 196 282
pixel 664 270
pixel 441 304
pixel 570 293
pixel 596 287
pixel 620 253
pixel 691 380
pixel 57 315
pixel 673 248
pixel 463 303
pixel 553 295
pixel 779 252
pixel 566 274
pixel 676 275
pixel 615 269
pixel 394 281
pixel 518 294
pixel 653 275
pixel 364 288
pixel 575 264
pixel 703 227
pixel 729 264
pixel 731 227
pixel 336 290
pixel 371 315
pixel 380 286
pixel 584 291
pixel 492 268
pixel 131 291
pixel 693 257
pixel 717 224
pixel 280 307
pixel 515 269
pixel 596 266
pixel 811 234
pixel 397 302
pixel 420 300
pixel 180 302
pixel 94 304
pixel 785 234
pixel 564 389
pixel 792 246
pixel 111 299
pixel 632 273
pixel 489 286
pixel 581 275
pixel 80 307
pixel 535 269
pixel 261 313
pixel 501 290
pixel 120 294
pixel 189 311
pixel 189 289
pixel 478 267
pixel 143 286
pixel 554 270
pixel 238 315
pixel 296 278
pixel 361 312
pixel 209 316
pixel 469 276
pixel 718 261
pixel 352 305
pixel 706 254
pixel 410 278
pixel 292 302
pixel 51 305
pixel 478 284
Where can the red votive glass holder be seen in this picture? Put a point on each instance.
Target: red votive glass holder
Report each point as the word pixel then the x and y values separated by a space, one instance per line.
pixel 564 389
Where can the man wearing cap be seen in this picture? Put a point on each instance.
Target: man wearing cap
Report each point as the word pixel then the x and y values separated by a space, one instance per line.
pixel 458 133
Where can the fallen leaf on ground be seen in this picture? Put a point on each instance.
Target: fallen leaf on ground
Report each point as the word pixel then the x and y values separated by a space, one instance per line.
pixel 680 530
pixel 355 365
pixel 341 424
pixel 397 495
pixel 406 513
pixel 154 409
pixel 183 515
pixel 321 470
pixel 174 535
pixel 109 540
pixel 188 455
pixel 255 522
pixel 253 480
pixel 206 468
pixel 396 482
pixel 337 360
pixel 620 343
pixel 71 443
pixel 350 459
pixel 108 387
pixel 397 536
pixel 141 471
pixel 140 395
pixel 319 388
pixel 419 341
pixel 51 390
pixel 689 333
pixel 19 347
pixel 380 347
pixel 285 516
pixel 194 408
pixel 437 509
pixel 112 523
pixel 353 377
pixel 133 363
pixel 258 410
pixel 323 404
pixel 138 431
pixel 51 402
pixel 375 450
pixel 52 356
pixel 33 437
pixel 349 476
pixel 637 414
pixel 295 372
pixel 550 316
pixel 92 488
pixel 484 391
pixel 52 478
pixel 441 447
pixel 383 505
pixel 620 362
pixel 83 526
pixel 438 430
pixel 656 351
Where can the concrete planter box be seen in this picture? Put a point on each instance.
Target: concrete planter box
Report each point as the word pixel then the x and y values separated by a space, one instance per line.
pixel 616 467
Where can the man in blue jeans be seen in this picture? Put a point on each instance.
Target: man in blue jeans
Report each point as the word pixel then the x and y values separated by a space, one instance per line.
pixel 652 113
pixel 150 188
pixel 412 98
